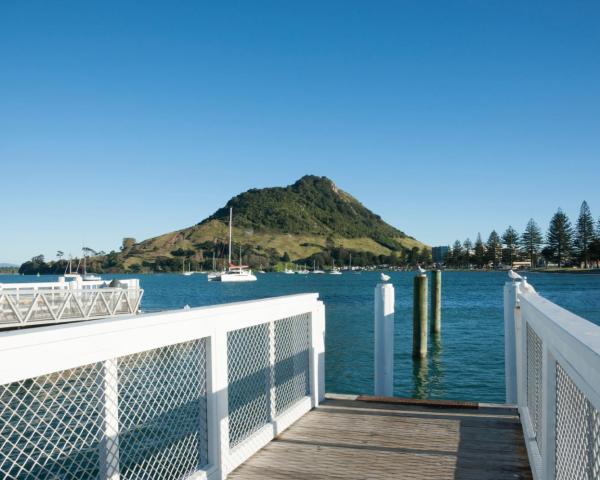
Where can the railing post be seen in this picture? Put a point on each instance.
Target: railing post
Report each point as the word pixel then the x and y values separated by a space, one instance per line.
pixel 109 447
pixel 218 403
pixel 271 394
pixel 510 341
pixel 549 412
pixel 384 340
pixel 317 356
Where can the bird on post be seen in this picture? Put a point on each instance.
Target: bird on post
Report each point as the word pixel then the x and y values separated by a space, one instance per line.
pixel 384 277
pixel 514 276
pixel 421 270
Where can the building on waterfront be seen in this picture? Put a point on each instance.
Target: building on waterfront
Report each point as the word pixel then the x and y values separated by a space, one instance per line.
pixel 439 254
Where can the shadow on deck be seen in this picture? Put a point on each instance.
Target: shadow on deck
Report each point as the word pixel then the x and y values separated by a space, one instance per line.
pixel 354 439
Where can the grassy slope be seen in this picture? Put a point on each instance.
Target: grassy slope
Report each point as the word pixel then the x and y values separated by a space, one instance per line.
pixel 292 244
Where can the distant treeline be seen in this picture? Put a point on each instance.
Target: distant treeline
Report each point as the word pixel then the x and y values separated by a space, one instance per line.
pixel 201 258
pixel 563 244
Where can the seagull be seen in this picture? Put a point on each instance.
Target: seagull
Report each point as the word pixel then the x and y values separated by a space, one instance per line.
pixel 421 270
pixel 384 277
pixel 186 307
pixel 514 275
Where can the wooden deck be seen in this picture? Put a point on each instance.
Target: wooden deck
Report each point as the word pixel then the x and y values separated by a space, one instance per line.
pixel 354 439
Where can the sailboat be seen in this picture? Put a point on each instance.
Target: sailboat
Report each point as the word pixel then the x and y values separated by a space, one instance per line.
pixel 288 271
pixel 187 272
pixel 235 273
pixel 314 270
pixel 335 271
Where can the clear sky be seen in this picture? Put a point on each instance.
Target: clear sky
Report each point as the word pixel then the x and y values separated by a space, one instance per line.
pixel 446 118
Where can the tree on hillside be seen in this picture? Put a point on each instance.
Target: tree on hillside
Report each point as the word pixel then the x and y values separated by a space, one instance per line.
pixel 494 248
pixel 479 256
pixel 532 240
pixel 560 237
pixel 510 238
pixel 468 246
pixel 584 234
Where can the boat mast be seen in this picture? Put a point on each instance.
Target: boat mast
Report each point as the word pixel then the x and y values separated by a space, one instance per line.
pixel 230 222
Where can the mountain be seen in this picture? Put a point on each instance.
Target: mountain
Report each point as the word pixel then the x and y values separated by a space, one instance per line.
pixel 311 219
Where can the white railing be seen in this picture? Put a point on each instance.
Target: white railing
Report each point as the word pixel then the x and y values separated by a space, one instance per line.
pixel 553 375
pixel 25 304
pixel 172 395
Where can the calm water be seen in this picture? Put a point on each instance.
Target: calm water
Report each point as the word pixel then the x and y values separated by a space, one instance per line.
pixel 468 362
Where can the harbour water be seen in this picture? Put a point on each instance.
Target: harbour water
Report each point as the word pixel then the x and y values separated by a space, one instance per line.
pixel 467 363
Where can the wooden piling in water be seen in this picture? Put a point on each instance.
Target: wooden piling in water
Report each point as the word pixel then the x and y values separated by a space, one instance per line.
pixel 420 317
pixel 436 302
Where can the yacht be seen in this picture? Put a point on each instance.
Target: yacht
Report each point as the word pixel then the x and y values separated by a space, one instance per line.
pixel 335 271
pixel 304 271
pixel 187 272
pixel 235 273
pixel 288 271
pixel 315 271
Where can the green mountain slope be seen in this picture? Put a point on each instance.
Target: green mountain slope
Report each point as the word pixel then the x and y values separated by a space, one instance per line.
pixel 309 220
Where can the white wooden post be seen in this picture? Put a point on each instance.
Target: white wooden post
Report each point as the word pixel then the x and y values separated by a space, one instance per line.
pixel 384 339
pixel 510 342
pixel 219 441
pixel 109 447
pixel 271 394
pixel 317 357
pixel 549 412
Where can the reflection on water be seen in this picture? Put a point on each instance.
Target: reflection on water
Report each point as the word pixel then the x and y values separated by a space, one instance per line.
pixel 428 373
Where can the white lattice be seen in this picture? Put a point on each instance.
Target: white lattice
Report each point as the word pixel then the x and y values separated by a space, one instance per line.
pixel 51 426
pixel 577 432
pixel 249 374
pixel 162 414
pixel 292 369
pixel 534 383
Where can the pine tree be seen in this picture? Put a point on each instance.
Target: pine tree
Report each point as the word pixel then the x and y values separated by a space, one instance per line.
pixel 510 238
pixel 585 232
pixel 494 248
pixel 560 236
pixel 468 246
pixel 457 254
pixel 532 240
pixel 479 251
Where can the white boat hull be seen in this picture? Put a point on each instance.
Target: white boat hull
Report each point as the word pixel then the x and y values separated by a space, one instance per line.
pixel 235 277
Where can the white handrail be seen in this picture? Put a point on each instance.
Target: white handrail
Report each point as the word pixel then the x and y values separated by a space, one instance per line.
pixel 556 369
pixel 231 350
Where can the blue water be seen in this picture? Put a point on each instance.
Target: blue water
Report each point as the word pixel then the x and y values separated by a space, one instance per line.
pixel 468 362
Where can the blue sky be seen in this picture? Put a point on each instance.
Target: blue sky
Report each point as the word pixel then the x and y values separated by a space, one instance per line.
pixel 446 118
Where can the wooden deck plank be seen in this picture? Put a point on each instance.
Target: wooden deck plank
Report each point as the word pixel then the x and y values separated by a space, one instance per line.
pixel 353 439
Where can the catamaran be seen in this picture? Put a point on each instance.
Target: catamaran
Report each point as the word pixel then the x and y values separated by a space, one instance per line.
pixel 235 273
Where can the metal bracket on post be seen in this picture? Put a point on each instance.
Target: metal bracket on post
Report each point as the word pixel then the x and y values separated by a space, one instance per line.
pixel 384 340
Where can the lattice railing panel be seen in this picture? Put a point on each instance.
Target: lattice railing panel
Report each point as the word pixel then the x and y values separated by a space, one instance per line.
pixel 51 426
pixel 292 369
pixel 534 383
pixel 577 432
pixel 162 416
pixel 18 308
pixel 249 381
